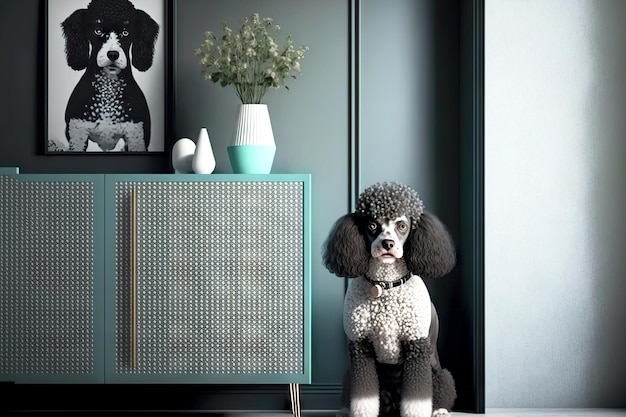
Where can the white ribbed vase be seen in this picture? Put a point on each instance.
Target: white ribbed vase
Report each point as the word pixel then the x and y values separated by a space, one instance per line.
pixel 253 148
pixel 254 126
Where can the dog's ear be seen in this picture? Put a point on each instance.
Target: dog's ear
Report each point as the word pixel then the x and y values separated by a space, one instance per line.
pixel 345 251
pixel 143 43
pixel 429 250
pixel 76 42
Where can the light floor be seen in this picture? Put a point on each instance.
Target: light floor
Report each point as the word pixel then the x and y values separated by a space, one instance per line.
pixel 551 412
pixel 490 412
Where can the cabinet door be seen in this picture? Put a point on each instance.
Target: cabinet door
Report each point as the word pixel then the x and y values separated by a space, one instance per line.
pixel 221 292
pixel 51 287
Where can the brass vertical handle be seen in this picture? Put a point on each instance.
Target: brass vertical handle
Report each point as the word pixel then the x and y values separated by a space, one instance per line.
pixel 133 277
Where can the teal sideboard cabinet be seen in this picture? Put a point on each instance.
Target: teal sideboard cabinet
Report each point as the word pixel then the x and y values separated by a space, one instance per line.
pixel 155 278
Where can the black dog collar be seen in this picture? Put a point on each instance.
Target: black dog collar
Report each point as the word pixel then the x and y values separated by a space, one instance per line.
pixel 379 286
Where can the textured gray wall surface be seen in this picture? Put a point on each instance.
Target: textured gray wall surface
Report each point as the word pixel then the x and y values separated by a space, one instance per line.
pixel 555 188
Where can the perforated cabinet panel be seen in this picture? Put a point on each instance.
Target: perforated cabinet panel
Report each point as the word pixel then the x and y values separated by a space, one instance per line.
pixel 220 278
pixel 47 283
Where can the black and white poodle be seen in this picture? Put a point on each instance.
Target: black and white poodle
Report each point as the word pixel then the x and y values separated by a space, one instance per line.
pixel 107 108
pixel 388 245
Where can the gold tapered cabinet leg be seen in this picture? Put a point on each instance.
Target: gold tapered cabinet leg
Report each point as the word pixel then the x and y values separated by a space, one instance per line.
pixel 294 396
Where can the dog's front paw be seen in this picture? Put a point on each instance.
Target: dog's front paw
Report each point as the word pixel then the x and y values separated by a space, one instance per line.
pixel 442 412
pixel 416 407
pixel 364 407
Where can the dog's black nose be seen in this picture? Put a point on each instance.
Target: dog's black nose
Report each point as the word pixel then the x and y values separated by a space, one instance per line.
pixel 113 55
pixel 387 244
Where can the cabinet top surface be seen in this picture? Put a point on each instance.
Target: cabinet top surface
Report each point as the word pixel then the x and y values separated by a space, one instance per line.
pixel 12 171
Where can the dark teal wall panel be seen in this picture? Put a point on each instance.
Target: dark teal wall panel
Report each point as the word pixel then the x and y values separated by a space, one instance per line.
pixel 397 93
pixel 412 131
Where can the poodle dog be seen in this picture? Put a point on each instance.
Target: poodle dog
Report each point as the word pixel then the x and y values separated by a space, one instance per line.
pixel 388 245
pixel 107 111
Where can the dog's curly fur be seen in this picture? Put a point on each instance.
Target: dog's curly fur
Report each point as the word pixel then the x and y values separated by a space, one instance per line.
pixel 392 372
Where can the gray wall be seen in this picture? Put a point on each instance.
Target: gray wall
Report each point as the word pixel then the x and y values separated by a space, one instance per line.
pixel 555 188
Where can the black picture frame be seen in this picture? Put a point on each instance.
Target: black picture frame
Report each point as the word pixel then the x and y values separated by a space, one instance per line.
pixel 154 81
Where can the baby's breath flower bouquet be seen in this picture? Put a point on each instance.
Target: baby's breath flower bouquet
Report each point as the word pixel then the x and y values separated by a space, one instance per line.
pixel 250 59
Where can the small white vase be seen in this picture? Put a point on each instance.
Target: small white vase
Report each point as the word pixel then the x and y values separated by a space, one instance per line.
pixel 203 159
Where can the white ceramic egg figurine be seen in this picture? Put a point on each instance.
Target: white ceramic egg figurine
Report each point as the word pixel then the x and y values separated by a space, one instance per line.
pixel 182 155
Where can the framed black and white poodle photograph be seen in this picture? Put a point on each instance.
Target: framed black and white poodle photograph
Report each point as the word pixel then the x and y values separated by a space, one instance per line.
pixel 106 76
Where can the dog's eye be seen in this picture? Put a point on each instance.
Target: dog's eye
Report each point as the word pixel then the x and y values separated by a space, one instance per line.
pixel 402 227
pixel 372 226
pixel 125 33
pixel 98 32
